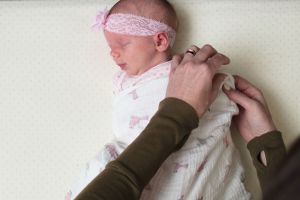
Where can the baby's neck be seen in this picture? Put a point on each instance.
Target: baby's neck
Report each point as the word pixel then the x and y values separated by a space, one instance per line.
pixel 161 60
pixel 166 56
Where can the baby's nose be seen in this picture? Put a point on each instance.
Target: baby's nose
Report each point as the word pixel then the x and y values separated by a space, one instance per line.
pixel 114 54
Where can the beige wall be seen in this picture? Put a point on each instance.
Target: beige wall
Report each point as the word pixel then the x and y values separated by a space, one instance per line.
pixel 55 80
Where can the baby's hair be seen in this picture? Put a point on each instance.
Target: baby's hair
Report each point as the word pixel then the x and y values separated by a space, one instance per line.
pixel 160 10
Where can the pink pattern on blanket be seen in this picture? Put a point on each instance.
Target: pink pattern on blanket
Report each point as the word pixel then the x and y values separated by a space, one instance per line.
pixel 178 166
pixel 201 167
pixel 68 195
pixel 134 95
pixel 111 149
pixel 226 141
pixel 136 120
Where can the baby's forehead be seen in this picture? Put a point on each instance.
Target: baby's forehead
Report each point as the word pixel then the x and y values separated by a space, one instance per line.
pixel 116 38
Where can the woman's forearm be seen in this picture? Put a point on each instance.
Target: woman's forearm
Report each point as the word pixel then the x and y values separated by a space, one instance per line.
pixel 126 177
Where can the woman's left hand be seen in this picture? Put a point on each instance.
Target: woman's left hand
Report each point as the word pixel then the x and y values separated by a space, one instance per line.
pixel 193 77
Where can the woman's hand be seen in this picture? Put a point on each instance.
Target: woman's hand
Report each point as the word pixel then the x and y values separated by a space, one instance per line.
pixel 254 118
pixel 193 77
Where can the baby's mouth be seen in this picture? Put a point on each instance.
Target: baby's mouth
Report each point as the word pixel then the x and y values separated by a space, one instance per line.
pixel 122 66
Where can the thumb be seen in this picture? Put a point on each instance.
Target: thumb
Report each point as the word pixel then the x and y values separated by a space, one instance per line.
pixel 238 97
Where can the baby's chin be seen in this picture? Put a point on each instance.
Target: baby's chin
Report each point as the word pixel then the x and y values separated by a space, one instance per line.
pixel 130 73
pixel 127 70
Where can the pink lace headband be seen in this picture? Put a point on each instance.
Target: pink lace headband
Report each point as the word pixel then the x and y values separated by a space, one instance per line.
pixel 129 24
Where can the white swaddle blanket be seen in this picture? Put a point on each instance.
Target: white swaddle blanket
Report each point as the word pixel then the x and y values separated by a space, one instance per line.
pixel 206 167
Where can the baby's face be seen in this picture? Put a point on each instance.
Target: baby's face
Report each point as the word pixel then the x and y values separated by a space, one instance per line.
pixel 133 54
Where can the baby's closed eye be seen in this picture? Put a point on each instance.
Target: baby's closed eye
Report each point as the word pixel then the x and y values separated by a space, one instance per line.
pixel 125 44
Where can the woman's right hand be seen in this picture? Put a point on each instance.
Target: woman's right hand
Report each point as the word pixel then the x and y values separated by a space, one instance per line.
pixel 254 118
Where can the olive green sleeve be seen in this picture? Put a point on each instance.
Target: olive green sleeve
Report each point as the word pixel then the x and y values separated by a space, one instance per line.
pixel 126 177
pixel 273 146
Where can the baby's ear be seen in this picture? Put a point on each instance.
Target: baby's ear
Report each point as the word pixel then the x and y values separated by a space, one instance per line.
pixel 162 41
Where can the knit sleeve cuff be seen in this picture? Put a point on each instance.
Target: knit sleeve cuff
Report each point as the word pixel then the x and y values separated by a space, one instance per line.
pixel 273 146
pixel 269 140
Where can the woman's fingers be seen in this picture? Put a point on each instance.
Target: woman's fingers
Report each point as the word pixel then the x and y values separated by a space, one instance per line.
pixel 216 84
pixel 199 54
pixel 205 55
pixel 175 62
pixel 190 53
pixel 248 89
pixel 238 97
pixel 217 61
pixel 205 52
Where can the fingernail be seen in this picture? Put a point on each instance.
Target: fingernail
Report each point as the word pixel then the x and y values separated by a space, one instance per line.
pixel 227 87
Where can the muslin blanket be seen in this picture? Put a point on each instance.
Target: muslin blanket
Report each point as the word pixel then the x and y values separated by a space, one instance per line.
pixel 206 167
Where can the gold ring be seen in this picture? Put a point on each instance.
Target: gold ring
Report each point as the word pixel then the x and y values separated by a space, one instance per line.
pixel 191 51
